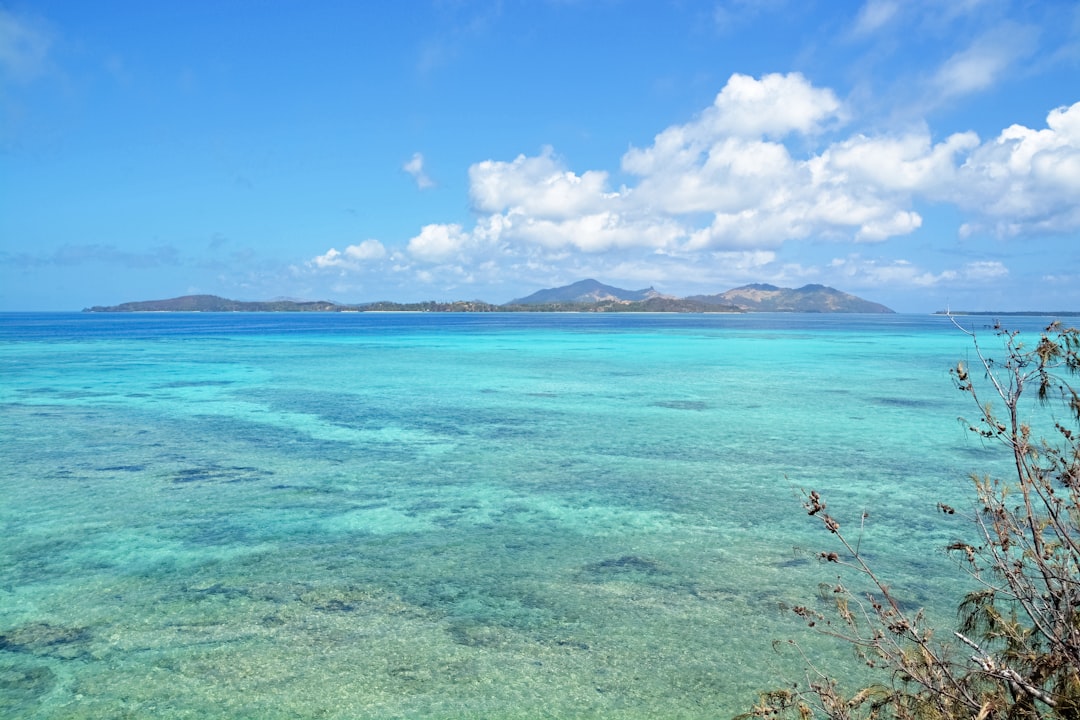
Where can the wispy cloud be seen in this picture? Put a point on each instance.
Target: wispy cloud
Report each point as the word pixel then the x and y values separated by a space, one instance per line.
pixel 461 24
pixel 88 254
pixel 415 167
pixel 983 63
pixel 729 15
pixel 875 273
pixel 874 15
pixel 24 46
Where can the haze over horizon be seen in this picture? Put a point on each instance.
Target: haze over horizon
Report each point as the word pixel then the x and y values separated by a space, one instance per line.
pixel 921 155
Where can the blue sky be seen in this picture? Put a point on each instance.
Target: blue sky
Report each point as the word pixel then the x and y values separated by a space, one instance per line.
pixel 920 153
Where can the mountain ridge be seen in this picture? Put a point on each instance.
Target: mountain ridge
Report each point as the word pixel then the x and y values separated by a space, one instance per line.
pixel 588 290
pixel 808 298
pixel 213 303
pixel 582 296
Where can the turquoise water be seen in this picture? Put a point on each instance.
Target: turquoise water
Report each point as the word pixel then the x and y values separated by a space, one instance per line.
pixel 453 516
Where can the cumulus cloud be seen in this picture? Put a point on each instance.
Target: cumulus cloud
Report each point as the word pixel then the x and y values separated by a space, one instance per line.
pixel 747 109
pixel 902 163
pixel 596 232
pixel 352 256
pixel 729 188
pixel 773 106
pixel 1024 180
pixel 415 167
pixel 757 194
pixel 537 200
pixel 438 242
pixel 729 165
pixel 538 186
pixel 730 162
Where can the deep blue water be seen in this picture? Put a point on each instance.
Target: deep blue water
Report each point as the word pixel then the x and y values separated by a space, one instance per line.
pixel 450 516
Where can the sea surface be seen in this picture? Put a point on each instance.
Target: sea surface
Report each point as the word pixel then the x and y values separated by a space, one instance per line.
pixel 366 515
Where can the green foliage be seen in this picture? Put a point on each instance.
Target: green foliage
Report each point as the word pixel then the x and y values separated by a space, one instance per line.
pixel 1015 653
pixel 655 304
pixel 429 306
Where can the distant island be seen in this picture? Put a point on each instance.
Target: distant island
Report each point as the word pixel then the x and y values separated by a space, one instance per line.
pixel 1011 313
pixel 582 296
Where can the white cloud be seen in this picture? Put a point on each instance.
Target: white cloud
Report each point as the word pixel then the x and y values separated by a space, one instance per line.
pixel 775 106
pixel 438 242
pixel 730 175
pixel 350 258
pixel 1025 180
pixel 901 222
pixel 984 270
pixel 538 201
pixel 981 64
pixel 24 47
pixel 746 108
pixel 538 186
pixel 902 273
pixel 875 14
pixel 723 166
pixel 724 163
pixel 728 15
pixel 907 163
pixel 726 190
pixel 415 167
pixel 596 232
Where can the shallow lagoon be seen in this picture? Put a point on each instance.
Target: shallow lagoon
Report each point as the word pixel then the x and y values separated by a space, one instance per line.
pixel 453 516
